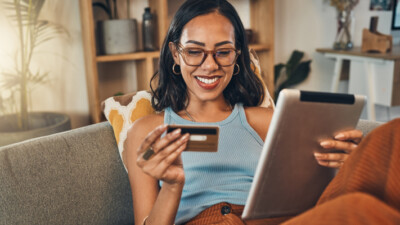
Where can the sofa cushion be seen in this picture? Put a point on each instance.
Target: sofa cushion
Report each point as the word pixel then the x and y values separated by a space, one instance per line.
pixel 75 177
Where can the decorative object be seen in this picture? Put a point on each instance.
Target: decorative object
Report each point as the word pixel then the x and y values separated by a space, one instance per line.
pixel 148 30
pixel 345 18
pixel 373 41
pixel 381 5
pixel 14 115
pixel 116 36
pixel 250 36
pixel 40 124
pixel 291 73
pixel 396 16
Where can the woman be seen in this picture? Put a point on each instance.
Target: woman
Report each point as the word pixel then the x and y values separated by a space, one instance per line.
pixel 204 79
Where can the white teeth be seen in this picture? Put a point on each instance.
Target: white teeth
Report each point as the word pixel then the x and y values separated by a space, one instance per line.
pixel 207 80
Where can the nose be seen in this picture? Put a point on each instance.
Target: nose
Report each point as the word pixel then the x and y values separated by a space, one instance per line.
pixel 210 63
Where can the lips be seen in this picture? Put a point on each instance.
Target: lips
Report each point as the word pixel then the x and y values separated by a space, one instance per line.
pixel 208 82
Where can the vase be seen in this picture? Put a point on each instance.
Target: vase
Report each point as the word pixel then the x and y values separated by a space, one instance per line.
pixel 345 21
pixel 40 123
pixel 117 36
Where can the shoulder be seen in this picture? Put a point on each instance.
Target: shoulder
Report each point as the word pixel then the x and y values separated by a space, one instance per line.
pixel 147 123
pixel 143 126
pixel 259 119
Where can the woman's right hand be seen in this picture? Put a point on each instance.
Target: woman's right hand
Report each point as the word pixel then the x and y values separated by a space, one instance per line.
pixel 165 163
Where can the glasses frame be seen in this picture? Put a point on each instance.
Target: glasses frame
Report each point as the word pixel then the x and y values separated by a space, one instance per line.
pixel 181 50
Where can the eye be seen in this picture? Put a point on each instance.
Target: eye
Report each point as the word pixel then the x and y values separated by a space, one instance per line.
pixel 223 52
pixel 194 52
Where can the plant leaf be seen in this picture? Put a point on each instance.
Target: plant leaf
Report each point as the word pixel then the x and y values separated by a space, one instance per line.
pixel 293 62
pixel 277 71
pixel 299 75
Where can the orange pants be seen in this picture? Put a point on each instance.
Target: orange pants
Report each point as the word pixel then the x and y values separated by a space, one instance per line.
pixel 365 191
pixel 229 214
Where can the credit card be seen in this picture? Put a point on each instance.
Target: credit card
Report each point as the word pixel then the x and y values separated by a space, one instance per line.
pixel 202 138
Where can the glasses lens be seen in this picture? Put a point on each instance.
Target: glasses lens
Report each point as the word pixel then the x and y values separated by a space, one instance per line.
pixel 225 57
pixel 193 56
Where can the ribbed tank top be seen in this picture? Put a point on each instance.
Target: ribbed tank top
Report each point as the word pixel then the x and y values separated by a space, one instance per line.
pixel 223 176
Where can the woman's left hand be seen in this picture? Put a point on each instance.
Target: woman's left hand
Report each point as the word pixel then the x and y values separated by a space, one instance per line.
pixel 345 141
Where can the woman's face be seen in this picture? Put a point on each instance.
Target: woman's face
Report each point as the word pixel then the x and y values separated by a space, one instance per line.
pixel 208 32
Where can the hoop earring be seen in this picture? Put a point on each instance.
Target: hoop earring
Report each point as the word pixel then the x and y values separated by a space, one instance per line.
pixel 238 70
pixel 173 69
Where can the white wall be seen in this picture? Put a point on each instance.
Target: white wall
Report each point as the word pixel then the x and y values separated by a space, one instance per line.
pixel 306 25
pixel 62 58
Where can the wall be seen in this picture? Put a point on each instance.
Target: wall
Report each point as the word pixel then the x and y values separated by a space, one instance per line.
pixel 62 58
pixel 309 24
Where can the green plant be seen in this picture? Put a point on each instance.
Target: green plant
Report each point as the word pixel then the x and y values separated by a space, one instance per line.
pixel 32 32
pixel 111 8
pixel 291 73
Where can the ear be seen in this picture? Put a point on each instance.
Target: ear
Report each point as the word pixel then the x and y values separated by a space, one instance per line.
pixel 174 52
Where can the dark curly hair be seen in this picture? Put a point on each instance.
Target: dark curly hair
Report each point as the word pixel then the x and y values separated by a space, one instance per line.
pixel 171 90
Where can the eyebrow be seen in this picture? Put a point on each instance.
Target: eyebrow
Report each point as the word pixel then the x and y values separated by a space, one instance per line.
pixel 202 44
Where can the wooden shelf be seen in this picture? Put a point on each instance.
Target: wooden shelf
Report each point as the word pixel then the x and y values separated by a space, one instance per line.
pixel 126 57
pixel 262 23
pixel 260 47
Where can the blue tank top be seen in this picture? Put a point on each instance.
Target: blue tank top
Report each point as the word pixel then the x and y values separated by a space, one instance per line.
pixel 224 176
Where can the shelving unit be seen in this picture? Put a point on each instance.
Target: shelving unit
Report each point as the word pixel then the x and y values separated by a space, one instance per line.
pixel 262 24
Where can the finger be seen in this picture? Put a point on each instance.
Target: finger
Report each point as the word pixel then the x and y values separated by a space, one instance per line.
pixel 173 157
pixel 172 147
pixel 152 137
pixel 331 156
pixel 346 146
pixel 156 158
pixel 159 164
pixel 166 140
pixel 350 135
pixel 331 164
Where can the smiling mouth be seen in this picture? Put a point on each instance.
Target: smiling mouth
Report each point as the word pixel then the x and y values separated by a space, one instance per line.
pixel 210 80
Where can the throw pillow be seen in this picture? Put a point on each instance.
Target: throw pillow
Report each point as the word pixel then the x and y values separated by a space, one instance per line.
pixel 122 111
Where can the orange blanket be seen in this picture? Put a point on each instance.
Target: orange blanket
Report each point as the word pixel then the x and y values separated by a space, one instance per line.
pixel 367 188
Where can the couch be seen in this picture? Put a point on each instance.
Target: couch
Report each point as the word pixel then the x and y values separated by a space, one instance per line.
pixel 74 177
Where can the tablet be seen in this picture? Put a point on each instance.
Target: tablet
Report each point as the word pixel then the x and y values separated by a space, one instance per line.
pixel 288 180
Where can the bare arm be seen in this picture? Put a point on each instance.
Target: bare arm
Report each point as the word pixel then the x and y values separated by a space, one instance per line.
pixel 159 205
pixel 259 118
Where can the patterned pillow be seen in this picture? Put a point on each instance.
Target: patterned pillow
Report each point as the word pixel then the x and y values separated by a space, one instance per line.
pixel 122 111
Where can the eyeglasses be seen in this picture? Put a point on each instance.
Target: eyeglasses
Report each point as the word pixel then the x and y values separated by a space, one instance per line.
pixel 196 56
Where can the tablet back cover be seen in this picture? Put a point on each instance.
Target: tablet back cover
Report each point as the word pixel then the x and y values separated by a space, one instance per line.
pixel 288 179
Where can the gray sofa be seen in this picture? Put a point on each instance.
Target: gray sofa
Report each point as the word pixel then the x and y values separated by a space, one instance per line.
pixel 74 177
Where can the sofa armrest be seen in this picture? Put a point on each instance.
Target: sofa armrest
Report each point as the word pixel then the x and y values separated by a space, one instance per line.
pixel 74 177
pixel 367 126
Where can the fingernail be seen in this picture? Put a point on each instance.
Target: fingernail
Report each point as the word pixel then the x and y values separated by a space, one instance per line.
pixel 325 144
pixel 339 136
pixel 177 131
pixel 161 127
pixel 318 155
pixel 185 137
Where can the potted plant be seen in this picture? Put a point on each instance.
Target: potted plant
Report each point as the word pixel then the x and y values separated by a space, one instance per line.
pixel 116 35
pixel 291 73
pixel 16 122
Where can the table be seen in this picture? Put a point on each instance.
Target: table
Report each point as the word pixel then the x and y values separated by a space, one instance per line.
pixel 376 75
